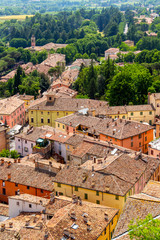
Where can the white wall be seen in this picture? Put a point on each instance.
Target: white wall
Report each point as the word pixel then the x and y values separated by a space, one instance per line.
pixel 63 149
pixel 21 146
pixel 15 210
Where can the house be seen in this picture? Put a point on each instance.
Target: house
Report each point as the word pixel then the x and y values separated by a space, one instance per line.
pixel 124 133
pixel 57 140
pixel 12 111
pixel 8 76
pixel 141 113
pixel 139 206
pixel 108 181
pixel 64 92
pixel 54 60
pixel 154 99
pixel 16 176
pixel 111 52
pixel 129 43
pixel 86 62
pixel 47 111
pixel 47 47
pixel 60 218
pixel 154 148
pixel 157 129
pixel 28 99
pixel 4 138
pixel 26 203
pixel 24 142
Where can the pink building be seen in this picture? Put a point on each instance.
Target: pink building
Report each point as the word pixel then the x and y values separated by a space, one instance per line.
pixel 154 148
pixel 12 111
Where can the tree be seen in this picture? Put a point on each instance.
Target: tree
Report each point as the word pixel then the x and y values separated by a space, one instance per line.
pixel 17 79
pixel 44 82
pixel 18 42
pixel 145 229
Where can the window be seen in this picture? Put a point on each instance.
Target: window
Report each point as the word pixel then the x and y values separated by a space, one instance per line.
pixel 112 222
pixel 41 120
pixel 145 146
pixel 19 147
pixel 139 136
pixel 141 113
pixel 3 183
pixel 123 117
pixel 32 120
pixel 28 187
pixel 63 126
pixel 131 144
pixel 131 138
pixel 17 203
pixel 25 141
pixel 76 189
pixel 131 113
pixel 58 184
pixel 58 125
pixel 48 113
pixel 140 144
pixel 4 191
pixel 50 98
pixel 150 113
pixel 61 193
pixel 42 113
pixel 57 113
pixel 86 196
pixel 97 201
pixel 31 145
pixel 2 118
pixel 30 205
pixel 48 120
pixel 25 149
pixel 41 190
pixel 125 197
pixel 151 152
pixel 31 112
pixel 150 122
pixel 145 138
pixel 16 184
pixel 68 146
pixel 117 197
pixel 66 113
pixel 97 193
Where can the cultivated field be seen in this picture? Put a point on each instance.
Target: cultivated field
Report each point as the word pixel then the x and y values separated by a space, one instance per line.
pixel 18 17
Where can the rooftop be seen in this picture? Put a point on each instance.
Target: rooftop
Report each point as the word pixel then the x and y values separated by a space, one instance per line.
pixel 9 105
pixel 32 134
pixel 118 173
pixel 61 92
pixel 62 221
pixel 26 97
pixel 31 199
pixel 4 210
pixel 117 128
pixel 53 59
pixel 139 206
pixel 155 144
pixel 26 175
pixel 156 95
pixel 112 50
pixel 68 104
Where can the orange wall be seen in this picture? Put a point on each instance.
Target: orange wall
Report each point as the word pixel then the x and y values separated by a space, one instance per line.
pixel 11 189
pixel 136 141
pixel 157 130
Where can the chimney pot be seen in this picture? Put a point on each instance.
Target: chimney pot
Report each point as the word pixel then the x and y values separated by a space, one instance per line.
pixel 9 176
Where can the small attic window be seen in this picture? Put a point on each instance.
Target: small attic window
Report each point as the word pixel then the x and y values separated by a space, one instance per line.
pixel 50 98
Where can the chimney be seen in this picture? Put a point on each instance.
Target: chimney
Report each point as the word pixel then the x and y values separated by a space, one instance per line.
pixel 15 160
pixel 46 235
pixel 149 93
pixel 2 162
pixel 19 160
pixel 9 176
pixel 27 222
pixel 112 120
pixel 92 168
pixel 113 132
pixel 10 224
pixel 9 164
pixel 2 227
pixel 120 120
pixel 107 125
pixel 106 216
pixel 115 123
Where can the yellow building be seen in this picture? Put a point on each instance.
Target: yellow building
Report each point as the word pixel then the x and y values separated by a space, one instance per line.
pixel 154 100
pixel 28 99
pixel 106 181
pixel 140 113
pixel 83 220
pixel 48 109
